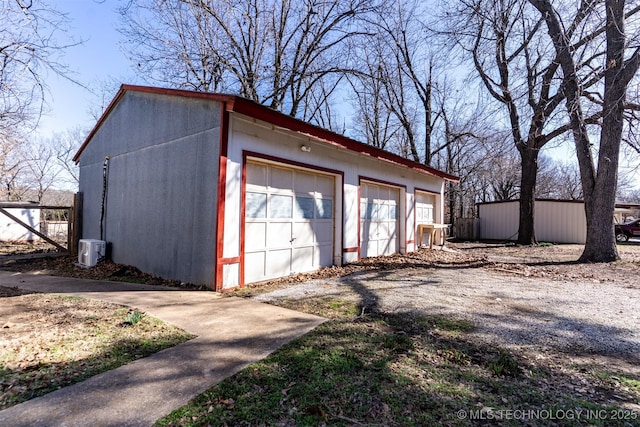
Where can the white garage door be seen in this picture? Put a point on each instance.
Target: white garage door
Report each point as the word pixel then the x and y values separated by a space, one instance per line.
pixel 425 208
pixel 289 221
pixel 378 220
pixel 425 204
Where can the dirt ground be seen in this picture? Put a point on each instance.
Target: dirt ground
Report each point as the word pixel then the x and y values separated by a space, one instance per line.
pixel 496 261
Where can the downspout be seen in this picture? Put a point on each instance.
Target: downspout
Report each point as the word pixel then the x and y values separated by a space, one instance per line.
pixel 105 181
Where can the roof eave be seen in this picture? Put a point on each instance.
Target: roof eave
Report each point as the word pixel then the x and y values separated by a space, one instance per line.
pixel 257 111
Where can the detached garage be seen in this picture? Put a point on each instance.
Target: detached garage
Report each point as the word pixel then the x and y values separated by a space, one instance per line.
pixel 218 190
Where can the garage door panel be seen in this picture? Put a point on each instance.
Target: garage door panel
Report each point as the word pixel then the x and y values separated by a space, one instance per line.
pixel 257 233
pixel 280 206
pixel 303 234
pixel 384 231
pixel 325 186
pixel 323 255
pixel 388 247
pixel 279 234
pixel 324 209
pixel 255 205
pixel 372 231
pixel 255 266
pixel 281 178
pixel 323 232
pixel 304 183
pixel 278 262
pixel 370 249
pixel 303 260
pixel 256 176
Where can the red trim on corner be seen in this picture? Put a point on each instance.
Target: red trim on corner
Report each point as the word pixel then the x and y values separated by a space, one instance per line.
pixel 243 216
pixel 222 194
pixel 355 249
pixel 359 218
pixel 230 260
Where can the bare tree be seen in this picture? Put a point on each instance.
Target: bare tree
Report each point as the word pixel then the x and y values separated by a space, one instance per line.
pixel 519 70
pixel 397 80
pixel 30 48
pixel 41 168
pixel 560 180
pixel 275 52
pixel 64 147
pixel 11 169
pixel 598 181
pixel 377 124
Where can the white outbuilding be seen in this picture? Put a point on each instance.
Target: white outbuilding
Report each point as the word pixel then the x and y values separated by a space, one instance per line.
pixel 218 190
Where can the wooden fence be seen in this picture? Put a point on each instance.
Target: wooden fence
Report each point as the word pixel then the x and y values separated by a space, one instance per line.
pixel 48 231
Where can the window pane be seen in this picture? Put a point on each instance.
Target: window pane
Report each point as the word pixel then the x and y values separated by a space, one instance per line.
pixel 256 205
pixel 280 206
pixel 304 208
pixel 428 214
pixel 324 209
pixel 393 212
pixel 383 212
pixel 371 210
pixel 363 210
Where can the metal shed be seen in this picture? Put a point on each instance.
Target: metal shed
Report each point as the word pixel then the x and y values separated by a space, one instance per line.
pixel 218 190
pixel 557 221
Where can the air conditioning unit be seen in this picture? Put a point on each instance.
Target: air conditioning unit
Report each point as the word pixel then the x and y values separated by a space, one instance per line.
pixel 90 251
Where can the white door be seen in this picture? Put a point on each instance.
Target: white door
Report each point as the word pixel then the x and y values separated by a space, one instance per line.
pixel 289 221
pixel 425 213
pixel 378 220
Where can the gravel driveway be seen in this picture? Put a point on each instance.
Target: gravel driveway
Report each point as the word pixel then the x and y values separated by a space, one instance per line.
pixel 584 316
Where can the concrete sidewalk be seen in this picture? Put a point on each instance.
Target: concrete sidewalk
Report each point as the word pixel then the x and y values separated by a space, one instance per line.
pixel 231 334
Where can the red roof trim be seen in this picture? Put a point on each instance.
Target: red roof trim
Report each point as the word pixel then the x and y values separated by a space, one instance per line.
pixel 260 112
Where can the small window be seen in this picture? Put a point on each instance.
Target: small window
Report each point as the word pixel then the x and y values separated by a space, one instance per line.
pixel 324 208
pixel 372 211
pixel 383 212
pixel 280 206
pixel 304 208
pixel 393 212
pixel 256 205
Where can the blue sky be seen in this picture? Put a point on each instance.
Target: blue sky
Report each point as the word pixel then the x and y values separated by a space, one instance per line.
pixel 99 62
pixel 96 61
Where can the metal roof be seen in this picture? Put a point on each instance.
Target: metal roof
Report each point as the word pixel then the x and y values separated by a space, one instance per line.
pixel 237 104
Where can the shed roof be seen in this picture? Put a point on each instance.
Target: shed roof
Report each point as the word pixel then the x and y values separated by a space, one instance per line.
pixel 237 104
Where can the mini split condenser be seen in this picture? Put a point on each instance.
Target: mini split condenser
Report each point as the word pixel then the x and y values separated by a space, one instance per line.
pixel 91 251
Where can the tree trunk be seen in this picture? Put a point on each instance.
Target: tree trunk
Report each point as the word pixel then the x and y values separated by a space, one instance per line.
pixel 600 205
pixel 526 229
pixel 598 185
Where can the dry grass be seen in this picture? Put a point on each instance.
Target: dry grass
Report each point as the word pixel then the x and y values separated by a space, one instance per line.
pixel 49 341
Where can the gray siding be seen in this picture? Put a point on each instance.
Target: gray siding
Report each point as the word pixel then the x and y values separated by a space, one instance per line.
pixel 162 190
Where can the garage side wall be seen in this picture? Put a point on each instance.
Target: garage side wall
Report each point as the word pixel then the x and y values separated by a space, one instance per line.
pixel 160 211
